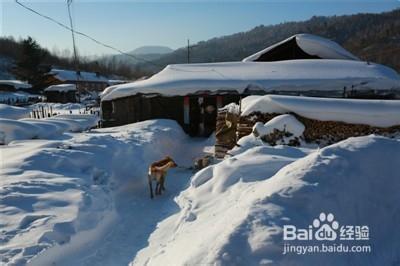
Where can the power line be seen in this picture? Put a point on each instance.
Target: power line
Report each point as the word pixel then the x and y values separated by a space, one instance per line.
pixel 85 35
pixel 124 53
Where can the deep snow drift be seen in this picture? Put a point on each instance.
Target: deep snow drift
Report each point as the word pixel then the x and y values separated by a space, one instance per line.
pixel 233 213
pixel 44 128
pixel 75 200
pixel 13 112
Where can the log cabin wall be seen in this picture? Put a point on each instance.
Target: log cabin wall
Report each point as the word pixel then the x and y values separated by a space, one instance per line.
pixel 60 96
pixel 195 113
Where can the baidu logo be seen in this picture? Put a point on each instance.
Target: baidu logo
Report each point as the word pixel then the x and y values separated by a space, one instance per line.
pixel 326 232
pixel 326 228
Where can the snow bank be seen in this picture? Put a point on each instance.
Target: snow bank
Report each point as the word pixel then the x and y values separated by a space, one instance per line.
pixel 75 123
pixel 290 75
pixel 380 113
pixel 13 112
pixel 48 193
pixel 234 212
pixel 285 123
pixel 312 45
pixel 62 200
pixel 16 130
pixel 45 128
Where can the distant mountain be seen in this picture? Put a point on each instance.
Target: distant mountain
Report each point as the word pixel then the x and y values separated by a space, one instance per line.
pixel 139 55
pixel 372 37
pixel 144 50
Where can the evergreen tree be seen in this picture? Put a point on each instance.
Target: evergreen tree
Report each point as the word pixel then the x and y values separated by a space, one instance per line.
pixel 28 66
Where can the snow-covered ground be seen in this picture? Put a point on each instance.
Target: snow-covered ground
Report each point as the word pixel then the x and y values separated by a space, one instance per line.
pixel 13 112
pixel 16 124
pixel 51 127
pixel 83 199
pixel 233 213
pixel 88 192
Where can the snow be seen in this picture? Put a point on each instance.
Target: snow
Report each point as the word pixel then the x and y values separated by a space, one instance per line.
pixel 69 75
pixel 233 213
pixel 11 130
pixel 312 45
pixel 231 108
pixel 70 201
pixel 17 84
pixel 285 123
pixel 81 211
pixel 380 113
pixel 61 87
pixel 83 199
pixel 16 130
pixel 263 104
pixel 290 75
pixel 13 112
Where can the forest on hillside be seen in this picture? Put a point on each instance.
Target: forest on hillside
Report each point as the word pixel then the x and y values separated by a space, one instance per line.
pixel 28 51
pixel 371 37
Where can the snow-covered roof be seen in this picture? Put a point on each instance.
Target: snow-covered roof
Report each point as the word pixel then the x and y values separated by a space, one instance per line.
pixel 380 113
pixel 17 84
pixel 312 45
pixel 61 87
pixel 290 75
pixel 69 75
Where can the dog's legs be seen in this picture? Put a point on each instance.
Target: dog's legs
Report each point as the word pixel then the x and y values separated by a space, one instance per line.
pixel 151 187
pixel 157 188
pixel 162 183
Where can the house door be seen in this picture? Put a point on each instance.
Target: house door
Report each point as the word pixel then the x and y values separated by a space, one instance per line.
pixel 209 115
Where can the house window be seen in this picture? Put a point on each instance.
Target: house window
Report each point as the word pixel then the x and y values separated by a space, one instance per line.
pixel 113 107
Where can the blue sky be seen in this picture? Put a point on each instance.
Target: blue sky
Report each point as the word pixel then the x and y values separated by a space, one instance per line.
pixel 131 24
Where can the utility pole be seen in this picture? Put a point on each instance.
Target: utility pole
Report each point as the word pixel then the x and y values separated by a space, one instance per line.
pixel 188 51
pixel 76 62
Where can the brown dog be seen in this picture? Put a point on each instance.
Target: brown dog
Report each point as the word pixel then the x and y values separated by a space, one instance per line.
pixel 157 172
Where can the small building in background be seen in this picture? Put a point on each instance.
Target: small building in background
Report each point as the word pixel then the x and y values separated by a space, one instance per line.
pixel 16 92
pixel 62 93
pixel 13 85
pixel 85 81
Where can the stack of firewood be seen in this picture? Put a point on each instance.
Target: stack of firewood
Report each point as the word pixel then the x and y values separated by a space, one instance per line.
pixel 225 132
pixel 321 132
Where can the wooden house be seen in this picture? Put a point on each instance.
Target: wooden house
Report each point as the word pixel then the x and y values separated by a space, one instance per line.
pixel 62 93
pixel 85 81
pixel 192 93
pixel 13 85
